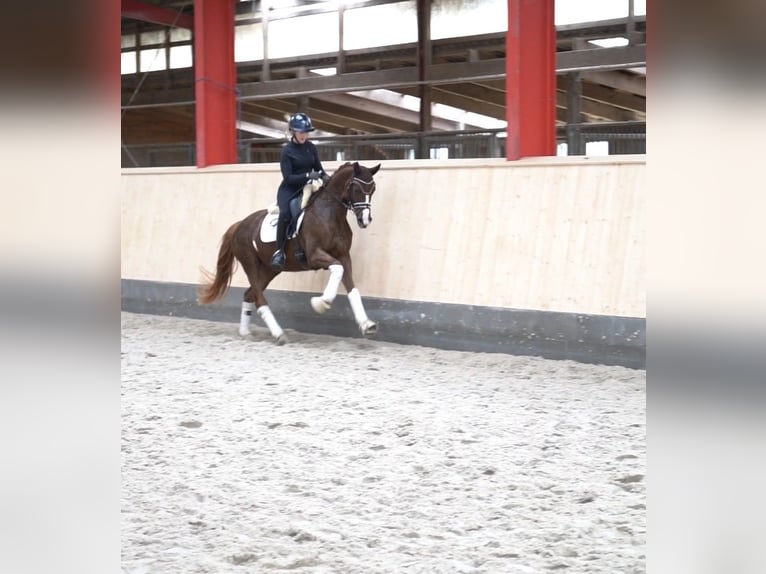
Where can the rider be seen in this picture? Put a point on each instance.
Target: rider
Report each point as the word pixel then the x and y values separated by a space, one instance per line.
pixel 300 163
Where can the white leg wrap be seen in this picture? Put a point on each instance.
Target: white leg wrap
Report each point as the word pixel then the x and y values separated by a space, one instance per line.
pixel 366 327
pixel 322 304
pixel 355 299
pixel 330 292
pixel 268 317
pixel 244 318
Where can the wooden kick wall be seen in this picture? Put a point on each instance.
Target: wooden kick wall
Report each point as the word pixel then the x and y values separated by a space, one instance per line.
pixel 556 234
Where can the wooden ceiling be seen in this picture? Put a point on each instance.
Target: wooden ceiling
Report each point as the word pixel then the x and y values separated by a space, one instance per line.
pixel 467 73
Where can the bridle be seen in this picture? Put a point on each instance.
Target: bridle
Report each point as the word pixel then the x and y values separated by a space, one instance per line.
pixel 367 188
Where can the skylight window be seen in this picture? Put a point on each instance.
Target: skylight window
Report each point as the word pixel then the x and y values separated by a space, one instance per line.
pixel 324 71
pixel 610 42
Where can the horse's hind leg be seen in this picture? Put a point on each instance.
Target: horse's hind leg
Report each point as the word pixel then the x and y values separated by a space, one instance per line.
pixel 260 276
pixel 248 306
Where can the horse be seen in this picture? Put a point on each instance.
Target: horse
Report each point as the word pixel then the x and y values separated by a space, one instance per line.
pixel 325 237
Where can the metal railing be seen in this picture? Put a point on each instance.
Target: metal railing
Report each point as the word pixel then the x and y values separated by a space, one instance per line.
pixel 622 138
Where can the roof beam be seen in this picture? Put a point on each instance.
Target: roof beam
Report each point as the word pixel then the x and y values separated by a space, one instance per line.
pixel 328 84
pixel 619 80
pixel 385 117
pixel 156 15
pixel 478 92
pixel 576 60
pixel 601 59
pixel 599 28
pixel 362 121
pixel 598 109
pixel 457 100
pixel 323 120
pixel 613 97
pixel 392 118
pixel 394 98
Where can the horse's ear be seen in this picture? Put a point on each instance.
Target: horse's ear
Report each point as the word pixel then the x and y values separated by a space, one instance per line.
pixel 375 169
pixel 356 168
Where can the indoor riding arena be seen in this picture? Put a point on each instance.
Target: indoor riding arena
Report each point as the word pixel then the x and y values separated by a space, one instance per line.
pixel 495 422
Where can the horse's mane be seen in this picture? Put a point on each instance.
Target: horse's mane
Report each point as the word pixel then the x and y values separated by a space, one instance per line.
pixel 341 168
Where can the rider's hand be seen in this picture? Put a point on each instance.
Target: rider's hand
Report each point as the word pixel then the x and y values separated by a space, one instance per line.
pixel 314 174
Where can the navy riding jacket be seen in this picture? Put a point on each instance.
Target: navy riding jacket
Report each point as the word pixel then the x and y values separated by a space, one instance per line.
pixel 296 161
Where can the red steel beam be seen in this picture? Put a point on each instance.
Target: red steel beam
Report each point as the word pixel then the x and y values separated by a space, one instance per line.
pixel 155 14
pixel 530 79
pixel 215 82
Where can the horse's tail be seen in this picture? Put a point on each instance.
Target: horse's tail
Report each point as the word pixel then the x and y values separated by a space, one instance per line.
pixel 217 285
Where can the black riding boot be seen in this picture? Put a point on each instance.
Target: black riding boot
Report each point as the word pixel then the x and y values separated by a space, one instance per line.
pixel 278 259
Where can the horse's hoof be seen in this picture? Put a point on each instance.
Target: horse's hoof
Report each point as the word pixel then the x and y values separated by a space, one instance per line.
pixel 244 332
pixel 281 340
pixel 368 328
pixel 319 305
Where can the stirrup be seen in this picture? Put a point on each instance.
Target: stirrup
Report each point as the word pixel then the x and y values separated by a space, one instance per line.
pixel 278 259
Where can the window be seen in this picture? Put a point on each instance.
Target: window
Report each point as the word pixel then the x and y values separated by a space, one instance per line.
pixel 128 64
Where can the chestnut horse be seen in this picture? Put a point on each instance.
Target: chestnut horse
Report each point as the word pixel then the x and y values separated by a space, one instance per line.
pixel 325 237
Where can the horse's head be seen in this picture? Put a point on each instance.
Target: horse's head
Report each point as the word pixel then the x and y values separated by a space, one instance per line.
pixel 357 192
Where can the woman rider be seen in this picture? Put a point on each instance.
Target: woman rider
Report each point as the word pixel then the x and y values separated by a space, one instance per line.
pixel 299 163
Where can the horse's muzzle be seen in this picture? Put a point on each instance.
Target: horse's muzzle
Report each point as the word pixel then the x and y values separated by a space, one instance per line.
pixel 364 216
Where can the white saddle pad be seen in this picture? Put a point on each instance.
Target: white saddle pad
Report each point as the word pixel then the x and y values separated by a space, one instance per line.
pixel 269 227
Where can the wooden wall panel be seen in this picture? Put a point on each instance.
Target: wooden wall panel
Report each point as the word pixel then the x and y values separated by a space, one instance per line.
pixel 560 234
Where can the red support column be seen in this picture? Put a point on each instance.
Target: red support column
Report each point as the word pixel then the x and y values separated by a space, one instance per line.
pixel 215 77
pixel 530 81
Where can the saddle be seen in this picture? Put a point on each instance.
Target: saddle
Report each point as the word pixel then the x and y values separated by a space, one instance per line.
pixel 297 205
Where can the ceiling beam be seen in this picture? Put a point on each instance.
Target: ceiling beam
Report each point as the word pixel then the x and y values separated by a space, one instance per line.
pixel 576 60
pixel 325 121
pixel 365 121
pixel 328 84
pixel 613 97
pixel 384 114
pixel 362 120
pixel 456 100
pixel 588 60
pixel 394 98
pixel 598 109
pixel 477 92
pixel 604 94
pixel 619 80
pixel 601 59
pixel 149 13
pixel 599 28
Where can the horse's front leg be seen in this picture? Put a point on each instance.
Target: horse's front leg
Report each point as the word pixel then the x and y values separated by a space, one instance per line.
pixel 321 259
pixel 366 326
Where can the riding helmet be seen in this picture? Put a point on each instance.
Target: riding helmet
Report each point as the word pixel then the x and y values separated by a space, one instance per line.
pixel 300 122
